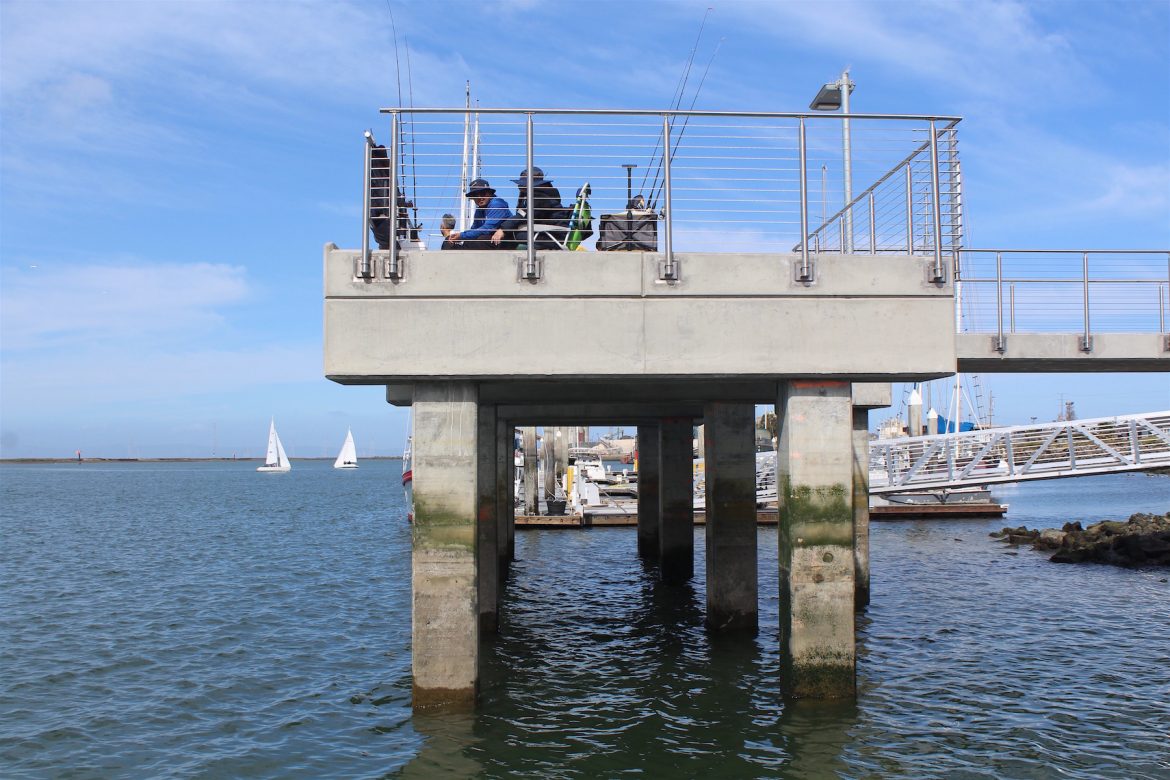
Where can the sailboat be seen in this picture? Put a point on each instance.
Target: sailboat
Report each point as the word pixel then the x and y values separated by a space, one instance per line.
pixel 347 458
pixel 275 460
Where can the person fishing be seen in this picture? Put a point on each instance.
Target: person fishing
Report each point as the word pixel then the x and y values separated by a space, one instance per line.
pixel 547 210
pixel 490 212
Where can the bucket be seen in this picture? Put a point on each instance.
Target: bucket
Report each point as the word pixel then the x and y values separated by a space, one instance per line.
pixel 556 507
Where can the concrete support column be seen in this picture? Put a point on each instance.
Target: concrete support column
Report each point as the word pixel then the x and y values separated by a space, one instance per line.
pixel 531 489
pixel 861 508
pixel 487 524
pixel 444 608
pixel 815 473
pixel 729 446
pixel 676 501
pixel 648 476
pixel 505 493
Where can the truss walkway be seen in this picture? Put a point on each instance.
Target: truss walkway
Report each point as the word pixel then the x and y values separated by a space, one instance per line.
pixel 1062 449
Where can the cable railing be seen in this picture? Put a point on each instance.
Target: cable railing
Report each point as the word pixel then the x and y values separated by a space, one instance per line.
pixel 897 213
pixel 731 182
pixel 1005 291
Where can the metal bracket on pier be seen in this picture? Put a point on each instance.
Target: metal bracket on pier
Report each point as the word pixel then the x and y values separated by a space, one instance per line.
pixel 668 270
pixel 529 270
pixel 1166 343
pixel 805 272
pixel 394 269
pixel 1086 343
pixel 937 273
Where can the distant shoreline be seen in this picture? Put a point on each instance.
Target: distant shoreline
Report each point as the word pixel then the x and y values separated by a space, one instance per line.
pixel 172 460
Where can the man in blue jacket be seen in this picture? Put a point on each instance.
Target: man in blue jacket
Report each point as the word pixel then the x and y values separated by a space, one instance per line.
pixel 490 212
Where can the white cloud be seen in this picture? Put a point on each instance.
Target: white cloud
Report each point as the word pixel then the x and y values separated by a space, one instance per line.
pixel 982 48
pixel 54 305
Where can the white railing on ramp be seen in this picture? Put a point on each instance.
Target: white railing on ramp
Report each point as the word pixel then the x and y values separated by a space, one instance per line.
pixel 983 457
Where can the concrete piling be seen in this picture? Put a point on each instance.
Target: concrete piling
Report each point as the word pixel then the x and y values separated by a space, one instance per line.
pixel 732 588
pixel 504 474
pixel 487 524
pixel 531 490
pixel 648 478
pixel 861 508
pixel 815 471
pixel 445 610
pixel 676 532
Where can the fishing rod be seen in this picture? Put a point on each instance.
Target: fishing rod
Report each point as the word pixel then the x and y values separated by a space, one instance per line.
pixel 687 119
pixel 398 79
pixel 675 103
pixel 413 159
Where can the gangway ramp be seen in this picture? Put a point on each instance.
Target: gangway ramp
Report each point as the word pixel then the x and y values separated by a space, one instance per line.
pixel 1061 449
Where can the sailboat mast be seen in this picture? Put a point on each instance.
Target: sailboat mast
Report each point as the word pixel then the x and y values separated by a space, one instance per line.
pixel 463 175
pixel 475 146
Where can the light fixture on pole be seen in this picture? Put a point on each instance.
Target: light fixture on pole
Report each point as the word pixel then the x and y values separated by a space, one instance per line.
pixel 830 98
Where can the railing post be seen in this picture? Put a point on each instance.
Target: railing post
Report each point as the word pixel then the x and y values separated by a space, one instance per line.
pixel 530 271
pixel 1086 340
pixel 1012 305
pixel 804 273
pixel 1161 309
pixel 909 209
pixel 1000 343
pixel 1166 340
pixel 393 269
pixel 872 227
pixel 669 271
pixel 364 260
pixel 936 209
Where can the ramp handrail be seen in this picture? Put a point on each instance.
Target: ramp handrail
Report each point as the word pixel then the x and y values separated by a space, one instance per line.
pixel 1019 453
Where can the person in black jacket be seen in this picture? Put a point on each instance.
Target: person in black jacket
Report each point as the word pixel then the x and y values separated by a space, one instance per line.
pixel 381 222
pixel 548 211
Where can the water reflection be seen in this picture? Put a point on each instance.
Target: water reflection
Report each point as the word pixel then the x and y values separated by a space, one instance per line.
pixel 449 748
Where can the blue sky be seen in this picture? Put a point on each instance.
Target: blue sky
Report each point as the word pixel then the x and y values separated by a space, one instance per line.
pixel 170 171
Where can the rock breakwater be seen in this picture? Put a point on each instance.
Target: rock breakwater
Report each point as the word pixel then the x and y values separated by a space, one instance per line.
pixel 1143 540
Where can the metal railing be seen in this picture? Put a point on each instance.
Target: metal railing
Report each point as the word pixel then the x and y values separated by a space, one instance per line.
pixel 1003 291
pixel 905 208
pixel 1020 453
pixel 730 181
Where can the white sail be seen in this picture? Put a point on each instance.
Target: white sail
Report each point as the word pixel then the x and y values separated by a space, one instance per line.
pixel 275 459
pixel 347 458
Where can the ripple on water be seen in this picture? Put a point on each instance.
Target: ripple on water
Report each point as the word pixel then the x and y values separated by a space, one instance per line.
pixel 192 620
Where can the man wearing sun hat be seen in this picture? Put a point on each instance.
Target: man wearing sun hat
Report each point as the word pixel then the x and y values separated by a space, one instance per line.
pixel 490 212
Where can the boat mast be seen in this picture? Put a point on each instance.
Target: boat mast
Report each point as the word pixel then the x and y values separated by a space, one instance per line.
pixel 475 146
pixel 463 175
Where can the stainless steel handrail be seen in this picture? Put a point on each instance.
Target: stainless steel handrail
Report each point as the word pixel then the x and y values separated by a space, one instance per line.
pixel 657 112
pixel 1115 275
pixel 714 182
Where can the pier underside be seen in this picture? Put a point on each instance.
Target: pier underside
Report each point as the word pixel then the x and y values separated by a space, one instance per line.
pixel 464 522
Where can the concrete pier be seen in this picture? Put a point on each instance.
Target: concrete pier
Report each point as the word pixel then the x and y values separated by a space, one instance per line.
pixel 815 475
pixel 445 605
pixel 505 498
pixel 676 534
pixel 729 445
pixel 648 478
pixel 702 339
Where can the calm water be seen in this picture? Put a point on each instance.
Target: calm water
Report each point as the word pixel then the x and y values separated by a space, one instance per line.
pixel 203 620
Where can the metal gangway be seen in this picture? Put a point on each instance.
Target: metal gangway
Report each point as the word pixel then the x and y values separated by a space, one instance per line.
pixel 1071 448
